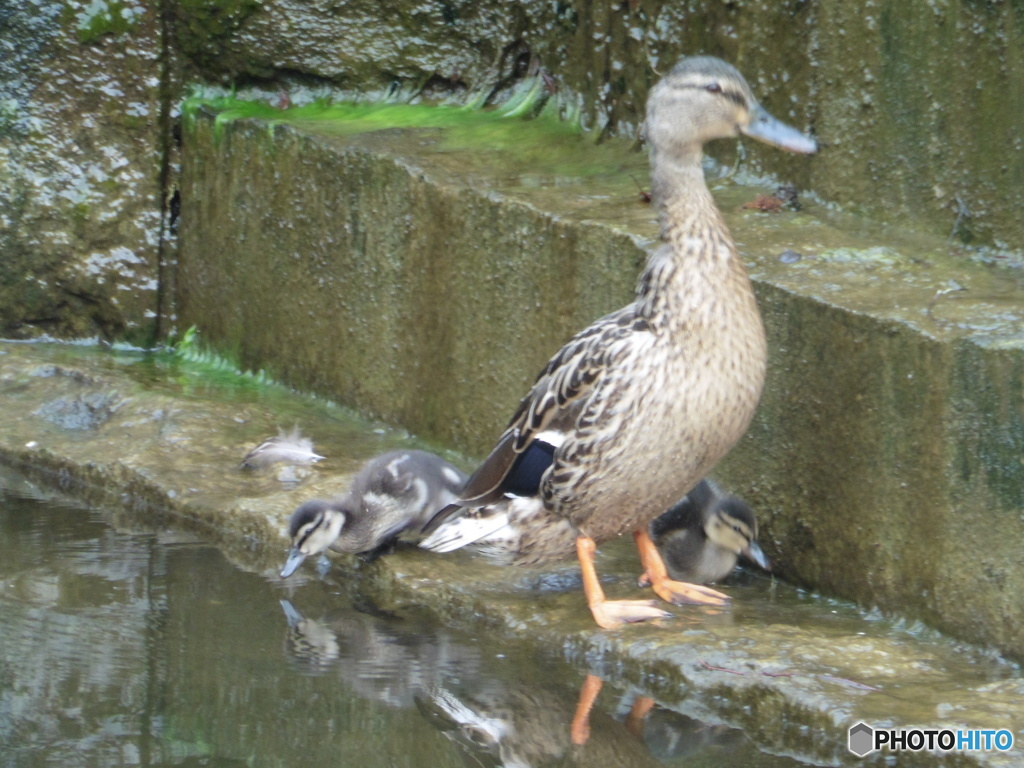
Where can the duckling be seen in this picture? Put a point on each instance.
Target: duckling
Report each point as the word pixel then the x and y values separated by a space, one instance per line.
pixel 392 493
pixel 701 537
pixel 633 411
pixel 290 447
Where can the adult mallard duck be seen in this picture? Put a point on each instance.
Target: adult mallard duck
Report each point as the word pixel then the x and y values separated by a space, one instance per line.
pixel 637 408
pixel 702 536
pixel 392 493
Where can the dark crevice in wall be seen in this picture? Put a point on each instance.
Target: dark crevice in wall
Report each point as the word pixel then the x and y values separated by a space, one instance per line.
pixel 169 196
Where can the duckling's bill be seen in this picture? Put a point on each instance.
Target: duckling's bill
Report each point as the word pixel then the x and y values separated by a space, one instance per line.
pixel 295 558
pixel 755 555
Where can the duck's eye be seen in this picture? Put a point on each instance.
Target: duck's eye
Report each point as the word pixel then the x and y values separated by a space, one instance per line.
pixel 713 88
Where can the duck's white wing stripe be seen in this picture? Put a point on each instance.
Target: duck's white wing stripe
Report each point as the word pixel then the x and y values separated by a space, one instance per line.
pixel 462 531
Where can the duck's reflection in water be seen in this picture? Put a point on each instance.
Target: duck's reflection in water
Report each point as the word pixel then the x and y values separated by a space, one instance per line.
pixel 380 656
pixel 497 714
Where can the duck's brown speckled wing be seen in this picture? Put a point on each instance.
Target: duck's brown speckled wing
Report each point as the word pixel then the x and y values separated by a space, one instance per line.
pixel 556 399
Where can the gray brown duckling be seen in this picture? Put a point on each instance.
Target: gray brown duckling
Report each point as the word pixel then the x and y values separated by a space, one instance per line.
pixel 702 536
pixel 393 493
pixel 633 411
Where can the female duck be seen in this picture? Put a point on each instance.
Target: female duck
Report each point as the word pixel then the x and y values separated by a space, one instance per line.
pixel 637 408
pixel 701 537
pixel 393 493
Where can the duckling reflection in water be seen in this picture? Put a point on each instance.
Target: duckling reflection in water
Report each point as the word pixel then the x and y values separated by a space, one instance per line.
pixel 634 410
pixel 493 718
pixel 311 641
pixel 701 537
pixel 393 493
pixel 380 656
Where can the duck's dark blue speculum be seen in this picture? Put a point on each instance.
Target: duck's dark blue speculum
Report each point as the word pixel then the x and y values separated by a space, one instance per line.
pixel 529 468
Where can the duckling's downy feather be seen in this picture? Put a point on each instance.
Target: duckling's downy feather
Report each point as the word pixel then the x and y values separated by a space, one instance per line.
pixel 287 447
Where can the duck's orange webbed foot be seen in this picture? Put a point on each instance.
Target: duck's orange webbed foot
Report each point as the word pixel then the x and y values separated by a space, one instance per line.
pixel 614 613
pixel 656 575
pixel 610 614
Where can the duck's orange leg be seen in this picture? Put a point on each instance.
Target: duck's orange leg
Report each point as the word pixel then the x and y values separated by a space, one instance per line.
pixel 655 574
pixel 579 732
pixel 610 613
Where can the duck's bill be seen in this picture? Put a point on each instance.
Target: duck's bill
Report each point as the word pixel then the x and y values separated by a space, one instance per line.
pixel 754 554
pixel 295 559
pixel 766 128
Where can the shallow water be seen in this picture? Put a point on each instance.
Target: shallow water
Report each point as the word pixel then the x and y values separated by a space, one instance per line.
pixel 135 646
pixel 126 643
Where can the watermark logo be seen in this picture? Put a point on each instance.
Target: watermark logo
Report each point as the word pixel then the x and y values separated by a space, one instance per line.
pixel 862 739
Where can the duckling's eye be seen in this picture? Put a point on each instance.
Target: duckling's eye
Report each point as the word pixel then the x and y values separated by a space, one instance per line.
pixel 737 529
pixel 713 88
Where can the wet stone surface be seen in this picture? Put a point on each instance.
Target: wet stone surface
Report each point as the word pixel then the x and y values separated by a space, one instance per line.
pixel 153 649
pixel 790 669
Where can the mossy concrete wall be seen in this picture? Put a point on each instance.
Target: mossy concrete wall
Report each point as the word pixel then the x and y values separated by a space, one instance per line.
pixel 886 465
pixel 85 153
pixel 919 105
pixel 347 272
pixel 884 461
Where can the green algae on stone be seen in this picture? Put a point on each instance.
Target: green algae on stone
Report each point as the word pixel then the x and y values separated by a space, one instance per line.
pixel 547 136
pixel 348 116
